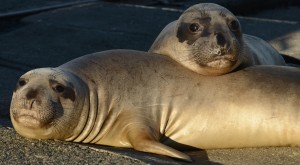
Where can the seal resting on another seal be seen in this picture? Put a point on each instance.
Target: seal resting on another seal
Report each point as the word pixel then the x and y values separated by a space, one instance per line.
pixel 207 39
pixel 149 102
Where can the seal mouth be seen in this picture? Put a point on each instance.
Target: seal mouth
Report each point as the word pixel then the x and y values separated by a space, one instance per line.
pixel 223 61
pixel 228 57
pixel 27 118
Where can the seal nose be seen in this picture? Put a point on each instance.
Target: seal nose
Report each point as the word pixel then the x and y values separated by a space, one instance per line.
pixel 30 98
pixel 220 39
pixel 31 94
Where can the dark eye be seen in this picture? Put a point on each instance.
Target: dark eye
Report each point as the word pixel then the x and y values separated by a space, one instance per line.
pixel 59 88
pixel 22 82
pixel 194 27
pixel 234 25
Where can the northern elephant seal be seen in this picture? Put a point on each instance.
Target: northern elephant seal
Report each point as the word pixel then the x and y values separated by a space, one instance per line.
pixel 207 38
pixel 151 103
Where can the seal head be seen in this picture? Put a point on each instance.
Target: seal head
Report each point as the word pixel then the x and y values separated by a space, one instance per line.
pixel 206 38
pixel 47 99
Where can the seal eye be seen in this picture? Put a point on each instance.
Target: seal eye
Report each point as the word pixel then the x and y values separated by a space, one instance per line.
pixel 59 89
pixel 194 27
pixel 234 25
pixel 22 82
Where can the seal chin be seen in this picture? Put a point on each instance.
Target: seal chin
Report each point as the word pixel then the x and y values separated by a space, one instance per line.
pixel 29 120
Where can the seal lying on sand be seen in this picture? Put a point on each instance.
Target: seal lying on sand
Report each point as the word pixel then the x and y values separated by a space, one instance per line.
pixel 207 39
pixel 149 102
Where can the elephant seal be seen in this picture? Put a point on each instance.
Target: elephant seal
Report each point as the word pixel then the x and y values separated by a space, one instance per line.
pixel 207 39
pixel 149 102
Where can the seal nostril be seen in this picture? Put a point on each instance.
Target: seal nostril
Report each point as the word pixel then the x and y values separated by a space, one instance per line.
pixel 31 94
pixel 220 39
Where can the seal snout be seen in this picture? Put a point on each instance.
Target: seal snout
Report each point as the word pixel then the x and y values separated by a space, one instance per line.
pixel 221 41
pixel 26 110
pixel 30 97
pixel 31 94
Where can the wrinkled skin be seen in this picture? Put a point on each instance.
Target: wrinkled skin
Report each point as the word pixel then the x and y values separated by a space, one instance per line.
pixel 149 102
pixel 208 39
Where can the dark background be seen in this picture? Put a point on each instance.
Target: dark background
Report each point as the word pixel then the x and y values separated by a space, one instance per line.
pixel 47 33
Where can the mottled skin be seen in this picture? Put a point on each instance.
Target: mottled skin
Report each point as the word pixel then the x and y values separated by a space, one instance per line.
pixel 149 102
pixel 207 39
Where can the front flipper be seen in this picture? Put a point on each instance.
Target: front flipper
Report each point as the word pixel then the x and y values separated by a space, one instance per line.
pixel 143 141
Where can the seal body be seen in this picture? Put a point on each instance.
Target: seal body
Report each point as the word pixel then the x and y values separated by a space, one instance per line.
pixel 207 38
pixel 149 102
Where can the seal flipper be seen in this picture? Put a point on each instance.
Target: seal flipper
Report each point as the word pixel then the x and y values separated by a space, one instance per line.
pixel 142 141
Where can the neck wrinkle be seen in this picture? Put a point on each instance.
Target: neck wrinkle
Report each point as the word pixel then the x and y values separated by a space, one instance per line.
pixel 109 114
pixel 103 108
pixel 83 109
pixel 92 115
